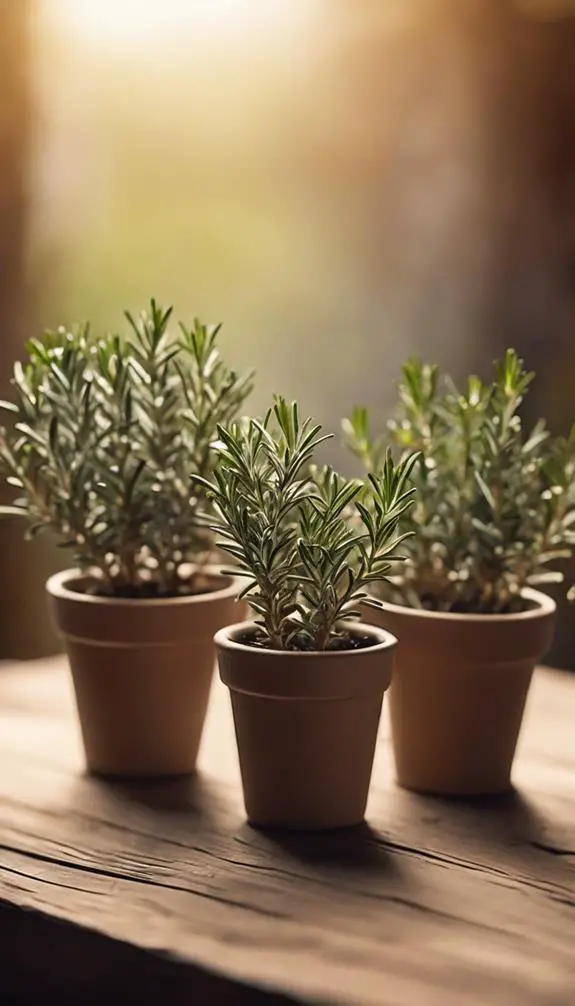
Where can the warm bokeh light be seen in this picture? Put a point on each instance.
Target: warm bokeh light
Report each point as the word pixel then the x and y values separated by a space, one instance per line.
pixel 129 22
pixel 342 183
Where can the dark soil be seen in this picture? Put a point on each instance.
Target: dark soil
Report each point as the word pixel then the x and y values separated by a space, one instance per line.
pixel 338 643
pixel 144 593
pixel 429 603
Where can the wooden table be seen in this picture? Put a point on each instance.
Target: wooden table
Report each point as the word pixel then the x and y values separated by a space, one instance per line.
pixel 161 893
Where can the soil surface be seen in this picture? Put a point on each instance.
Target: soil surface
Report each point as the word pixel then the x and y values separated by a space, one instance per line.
pixel 148 592
pixel 344 642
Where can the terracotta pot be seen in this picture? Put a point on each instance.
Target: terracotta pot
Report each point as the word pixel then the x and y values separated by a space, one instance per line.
pixel 306 727
pixel 142 671
pixel 459 691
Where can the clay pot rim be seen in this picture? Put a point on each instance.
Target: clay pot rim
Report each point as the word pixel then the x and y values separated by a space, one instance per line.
pixel 224 638
pixel 56 585
pixel 543 606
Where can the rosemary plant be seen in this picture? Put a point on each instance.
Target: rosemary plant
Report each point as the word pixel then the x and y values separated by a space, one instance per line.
pixel 287 526
pixel 494 508
pixel 105 432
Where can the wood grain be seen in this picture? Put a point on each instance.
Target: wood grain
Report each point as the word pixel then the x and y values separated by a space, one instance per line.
pixel 433 902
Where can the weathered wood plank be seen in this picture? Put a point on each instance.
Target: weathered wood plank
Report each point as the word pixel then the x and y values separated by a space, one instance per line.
pixel 71 965
pixel 436 901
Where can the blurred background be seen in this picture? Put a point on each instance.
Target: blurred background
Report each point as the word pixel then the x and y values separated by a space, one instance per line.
pixel 339 183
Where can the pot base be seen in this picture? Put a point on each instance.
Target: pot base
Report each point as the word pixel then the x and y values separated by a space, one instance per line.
pixel 142 672
pixel 151 777
pixel 296 826
pixel 455 726
pixel 306 727
pixel 141 709
pixel 321 781
pixel 460 793
pixel 458 694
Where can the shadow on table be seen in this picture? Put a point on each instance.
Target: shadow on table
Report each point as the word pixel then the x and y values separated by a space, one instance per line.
pixel 513 821
pixel 212 802
pixel 348 850
pixel 510 819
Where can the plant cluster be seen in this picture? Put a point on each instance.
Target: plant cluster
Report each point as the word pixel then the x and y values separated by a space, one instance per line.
pixel 494 507
pixel 105 433
pixel 286 524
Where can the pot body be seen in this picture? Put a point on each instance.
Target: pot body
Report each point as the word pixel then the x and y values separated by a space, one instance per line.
pixel 306 727
pixel 142 672
pixel 459 691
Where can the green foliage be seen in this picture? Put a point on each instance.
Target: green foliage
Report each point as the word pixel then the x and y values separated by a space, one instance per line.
pixel 287 526
pixel 494 508
pixel 105 434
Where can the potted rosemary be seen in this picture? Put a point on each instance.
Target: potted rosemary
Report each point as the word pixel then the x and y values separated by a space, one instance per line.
pixel 306 678
pixel 495 509
pixel 104 434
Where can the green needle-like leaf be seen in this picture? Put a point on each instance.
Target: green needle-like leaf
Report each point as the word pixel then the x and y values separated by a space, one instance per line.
pixel 108 431
pixel 295 530
pixel 493 507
